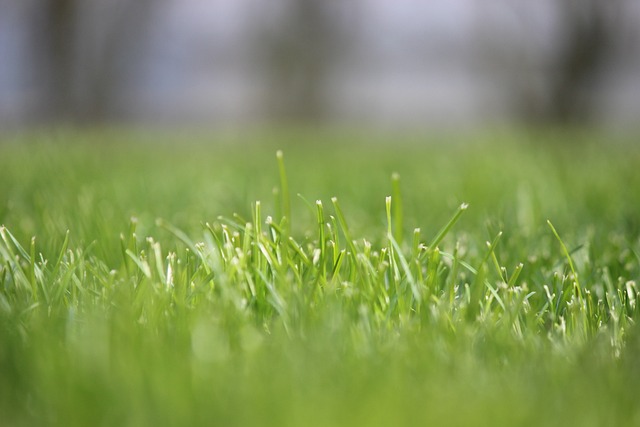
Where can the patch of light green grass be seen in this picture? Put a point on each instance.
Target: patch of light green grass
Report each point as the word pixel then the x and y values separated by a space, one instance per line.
pixel 388 301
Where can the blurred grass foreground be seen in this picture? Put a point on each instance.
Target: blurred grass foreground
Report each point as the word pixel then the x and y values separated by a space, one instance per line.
pixel 346 282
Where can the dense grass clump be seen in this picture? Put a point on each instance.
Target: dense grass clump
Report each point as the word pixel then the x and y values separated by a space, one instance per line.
pixel 451 282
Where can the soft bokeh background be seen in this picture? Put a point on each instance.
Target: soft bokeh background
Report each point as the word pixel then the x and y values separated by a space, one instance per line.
pixel 445 63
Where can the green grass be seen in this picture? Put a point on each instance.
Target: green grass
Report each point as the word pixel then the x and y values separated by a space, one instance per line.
pixel 199 280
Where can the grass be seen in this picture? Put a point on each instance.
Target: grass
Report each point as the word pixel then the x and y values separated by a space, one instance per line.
pixel 191 280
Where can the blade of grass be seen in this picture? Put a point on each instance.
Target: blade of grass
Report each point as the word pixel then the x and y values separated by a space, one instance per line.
pixel 284 185
pixel 445 230
pixel 577 287
pixel 397 213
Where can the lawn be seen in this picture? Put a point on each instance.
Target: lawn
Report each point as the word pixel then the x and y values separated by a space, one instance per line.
pixel 319 278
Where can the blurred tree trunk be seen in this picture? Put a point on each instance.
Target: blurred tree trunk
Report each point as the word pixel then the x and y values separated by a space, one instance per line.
pixel 83 49
pixel 555 84
pixel 299 55
pixel 56 43
pixel 590 33
pixel 107 71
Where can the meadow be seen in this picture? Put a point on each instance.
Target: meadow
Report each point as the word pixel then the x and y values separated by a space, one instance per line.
pixel 319 278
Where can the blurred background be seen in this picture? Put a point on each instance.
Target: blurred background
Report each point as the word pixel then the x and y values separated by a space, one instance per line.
pixel 445 63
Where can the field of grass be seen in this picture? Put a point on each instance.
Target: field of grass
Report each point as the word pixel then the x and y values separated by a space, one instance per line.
pixel 150 280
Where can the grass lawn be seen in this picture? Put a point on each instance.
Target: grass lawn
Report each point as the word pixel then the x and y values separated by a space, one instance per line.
pixel 151 280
